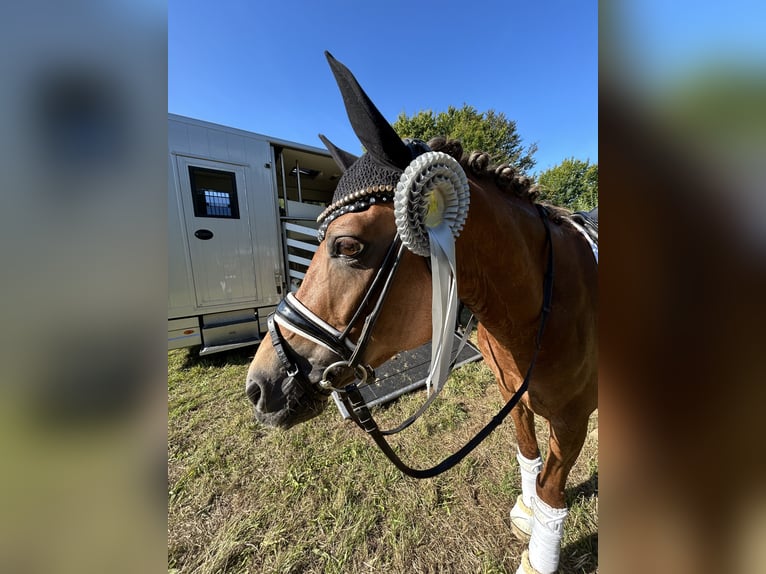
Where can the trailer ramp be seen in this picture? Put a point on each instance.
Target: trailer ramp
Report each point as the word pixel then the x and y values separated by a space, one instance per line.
pixel 404 373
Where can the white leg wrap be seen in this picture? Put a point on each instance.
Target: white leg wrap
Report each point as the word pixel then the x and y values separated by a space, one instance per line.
pixel 521 520
pixel 530 468
pixel 547 531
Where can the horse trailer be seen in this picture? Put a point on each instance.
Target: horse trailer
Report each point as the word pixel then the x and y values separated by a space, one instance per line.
pixel 242 211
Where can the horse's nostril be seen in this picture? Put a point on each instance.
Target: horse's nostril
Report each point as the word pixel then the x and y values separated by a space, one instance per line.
pixel 253 392
pixel 266 396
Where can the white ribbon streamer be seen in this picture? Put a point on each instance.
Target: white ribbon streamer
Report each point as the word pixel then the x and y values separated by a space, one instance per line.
pixel 430 206
pixel 444 303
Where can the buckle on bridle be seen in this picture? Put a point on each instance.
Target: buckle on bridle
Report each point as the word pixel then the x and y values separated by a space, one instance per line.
pixel 293 372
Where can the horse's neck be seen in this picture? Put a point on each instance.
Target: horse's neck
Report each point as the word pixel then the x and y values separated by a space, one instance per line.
pixel 500 257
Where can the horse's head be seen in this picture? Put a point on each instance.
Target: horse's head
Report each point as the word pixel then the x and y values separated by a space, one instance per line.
pixel 318 339
pixel 340 273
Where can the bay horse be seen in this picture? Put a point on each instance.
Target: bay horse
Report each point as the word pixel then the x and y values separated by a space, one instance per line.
pixel 501 257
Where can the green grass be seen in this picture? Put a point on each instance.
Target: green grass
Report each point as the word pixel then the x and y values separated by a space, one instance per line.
pixel 320 498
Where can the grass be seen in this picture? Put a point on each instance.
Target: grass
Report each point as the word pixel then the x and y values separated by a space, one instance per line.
pixel 320 498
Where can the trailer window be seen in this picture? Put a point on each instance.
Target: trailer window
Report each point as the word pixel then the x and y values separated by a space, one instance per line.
pixel 214 193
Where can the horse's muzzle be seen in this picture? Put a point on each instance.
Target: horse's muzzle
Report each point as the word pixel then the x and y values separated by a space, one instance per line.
pixel 284 403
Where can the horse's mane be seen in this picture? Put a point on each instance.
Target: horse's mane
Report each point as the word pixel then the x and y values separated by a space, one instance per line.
pixel 505 177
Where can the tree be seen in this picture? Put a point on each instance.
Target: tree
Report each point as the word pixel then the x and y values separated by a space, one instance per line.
pixel 572 184
pixel 488 131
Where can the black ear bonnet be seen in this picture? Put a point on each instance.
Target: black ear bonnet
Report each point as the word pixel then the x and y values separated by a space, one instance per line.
pixel 373 177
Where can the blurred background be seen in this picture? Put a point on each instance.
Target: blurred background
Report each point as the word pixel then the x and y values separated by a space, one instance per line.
pixel 82 246
pixel 682 133
pixel 683 147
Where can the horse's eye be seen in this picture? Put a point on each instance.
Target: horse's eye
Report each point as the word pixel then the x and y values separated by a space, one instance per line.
pixel 348 247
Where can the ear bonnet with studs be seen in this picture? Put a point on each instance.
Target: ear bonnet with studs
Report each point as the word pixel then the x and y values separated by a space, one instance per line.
pixel 427 187
pixel 429 191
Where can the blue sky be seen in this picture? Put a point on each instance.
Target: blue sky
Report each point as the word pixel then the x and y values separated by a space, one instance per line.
pixel 260 66
pixel 660 43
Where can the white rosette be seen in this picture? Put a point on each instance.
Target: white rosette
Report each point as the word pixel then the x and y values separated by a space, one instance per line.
pixel 432 192
pixel 430 206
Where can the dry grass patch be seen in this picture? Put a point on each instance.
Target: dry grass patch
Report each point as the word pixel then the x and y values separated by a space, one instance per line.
pixel 321 498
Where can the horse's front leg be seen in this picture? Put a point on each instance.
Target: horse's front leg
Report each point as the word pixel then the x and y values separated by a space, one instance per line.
pixel 530 463
pixel 567 436
pixel 508 379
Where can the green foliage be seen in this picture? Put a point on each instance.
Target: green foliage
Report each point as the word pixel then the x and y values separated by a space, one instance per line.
pixel 488 131
pixel 572 184
pixel 722 104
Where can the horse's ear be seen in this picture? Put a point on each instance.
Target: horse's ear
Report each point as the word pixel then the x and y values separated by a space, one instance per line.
pixel 343 158
pixel 372 129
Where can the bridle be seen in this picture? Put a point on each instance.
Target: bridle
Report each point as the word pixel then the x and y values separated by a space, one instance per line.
pixel 295 316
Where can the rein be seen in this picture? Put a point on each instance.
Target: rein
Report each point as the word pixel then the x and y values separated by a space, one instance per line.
pixel 362 416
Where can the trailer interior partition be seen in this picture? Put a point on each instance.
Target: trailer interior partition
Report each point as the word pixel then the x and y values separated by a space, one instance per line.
pixel 305 186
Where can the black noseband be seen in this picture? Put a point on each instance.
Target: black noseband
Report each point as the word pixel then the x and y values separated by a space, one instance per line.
pixel 293 315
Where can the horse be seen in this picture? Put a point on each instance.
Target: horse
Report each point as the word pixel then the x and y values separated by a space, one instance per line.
pixel 505 246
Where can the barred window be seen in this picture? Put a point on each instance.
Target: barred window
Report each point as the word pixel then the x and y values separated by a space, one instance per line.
pixel 214 193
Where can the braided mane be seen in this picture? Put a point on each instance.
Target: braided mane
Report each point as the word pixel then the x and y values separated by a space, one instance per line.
pixel 505 177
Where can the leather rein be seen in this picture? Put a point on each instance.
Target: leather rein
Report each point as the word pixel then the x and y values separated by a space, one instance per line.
pixel 294 316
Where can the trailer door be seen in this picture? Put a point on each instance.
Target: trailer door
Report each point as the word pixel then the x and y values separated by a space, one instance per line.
pixel 217 223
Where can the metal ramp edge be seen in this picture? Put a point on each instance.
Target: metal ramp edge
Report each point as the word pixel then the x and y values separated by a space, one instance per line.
pixel 404 373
